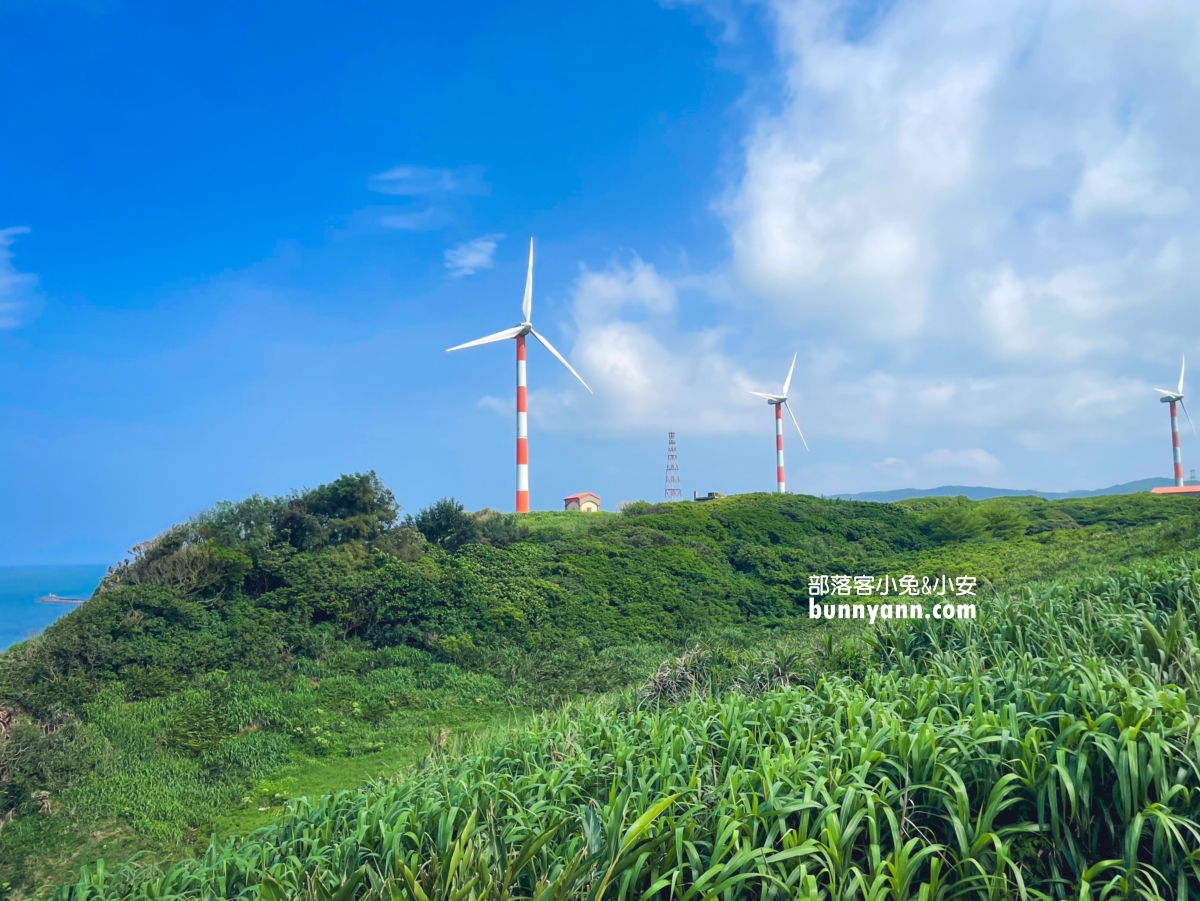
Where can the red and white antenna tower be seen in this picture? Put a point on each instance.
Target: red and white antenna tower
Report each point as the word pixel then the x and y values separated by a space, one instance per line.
pixel 673 492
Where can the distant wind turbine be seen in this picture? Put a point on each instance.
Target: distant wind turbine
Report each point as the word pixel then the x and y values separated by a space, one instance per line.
pixel 1173 398
pixel 779 401
pixel 519 332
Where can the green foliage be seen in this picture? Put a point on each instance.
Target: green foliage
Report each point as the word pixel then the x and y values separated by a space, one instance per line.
pixel 352 508
pixel 193 729
pixel 960 522
pixel 501 529
pixel 405 543
pixel 314 627
pixel 34 756
pixel 232 591
pixel 447 525
pixel 1002 521
pixel 456 646
pixel 1035 752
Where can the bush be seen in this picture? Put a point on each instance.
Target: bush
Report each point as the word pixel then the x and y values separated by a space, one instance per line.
pixel 447 525
pixel 193 729
pixel 1002 521
pixel 953 523
pixel 405 543
pixel 500 529
pixel 351 508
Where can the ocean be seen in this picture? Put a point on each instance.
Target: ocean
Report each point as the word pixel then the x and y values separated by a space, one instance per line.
pixel 21 616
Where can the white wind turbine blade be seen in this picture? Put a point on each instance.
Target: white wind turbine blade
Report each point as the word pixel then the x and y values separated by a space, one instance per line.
pixel 1189 417
pixel 1181 368
pixel 561 359
pixel 1164 391
pixel 787 383
pixel 793 415
pixel 499 336
pixel 527 303
pixel 760 394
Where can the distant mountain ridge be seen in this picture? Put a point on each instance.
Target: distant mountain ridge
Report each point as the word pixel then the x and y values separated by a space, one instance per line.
pixel 977 493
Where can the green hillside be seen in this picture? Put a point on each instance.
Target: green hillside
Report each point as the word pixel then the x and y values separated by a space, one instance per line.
pixel 1052 753
pixel 286 646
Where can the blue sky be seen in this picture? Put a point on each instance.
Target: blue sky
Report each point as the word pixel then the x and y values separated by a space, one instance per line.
pixel 235 241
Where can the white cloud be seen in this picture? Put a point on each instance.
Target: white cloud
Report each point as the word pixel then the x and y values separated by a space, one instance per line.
pixel 976 460
pixel 1066 315
pixel 905 409
pixel 471 256
pixel 992 206
pixel 602 296
pixel 1127 180
pixel 977 223
pixel 958 138
pixel 432 195
pixel 16 288
pixel 647 374
pixel 496 404
pixel 421 181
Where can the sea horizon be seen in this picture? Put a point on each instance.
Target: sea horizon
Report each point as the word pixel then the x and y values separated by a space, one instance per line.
pixel 21 616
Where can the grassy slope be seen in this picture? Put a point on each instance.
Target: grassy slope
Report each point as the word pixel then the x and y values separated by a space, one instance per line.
pixel 583 604
pixel 1050 747
pixel 44 850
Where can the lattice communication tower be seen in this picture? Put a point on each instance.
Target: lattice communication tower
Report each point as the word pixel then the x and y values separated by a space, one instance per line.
pixel 673 492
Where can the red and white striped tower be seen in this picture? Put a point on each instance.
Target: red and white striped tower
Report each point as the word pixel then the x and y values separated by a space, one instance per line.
pixel 1175 445
pixel 522 432
pixel 779 449
pixel 519 332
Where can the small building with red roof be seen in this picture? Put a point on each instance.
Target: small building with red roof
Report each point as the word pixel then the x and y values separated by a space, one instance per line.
pixel 584 502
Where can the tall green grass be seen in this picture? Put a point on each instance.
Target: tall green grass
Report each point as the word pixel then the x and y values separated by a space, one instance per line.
pixel 1048 750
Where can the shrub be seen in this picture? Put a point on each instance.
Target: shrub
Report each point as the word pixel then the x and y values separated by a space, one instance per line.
pixel 500 529
pixel 953 523
pixel 1002 521
pixel 405 543
pixel 193 729
pixel 447 525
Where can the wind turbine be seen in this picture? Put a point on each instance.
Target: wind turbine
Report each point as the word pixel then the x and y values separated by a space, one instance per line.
pixel 779 401
pixel 519 332
pixel 1172 398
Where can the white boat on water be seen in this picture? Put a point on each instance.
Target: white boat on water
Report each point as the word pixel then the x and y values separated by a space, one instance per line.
pixel 55 599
